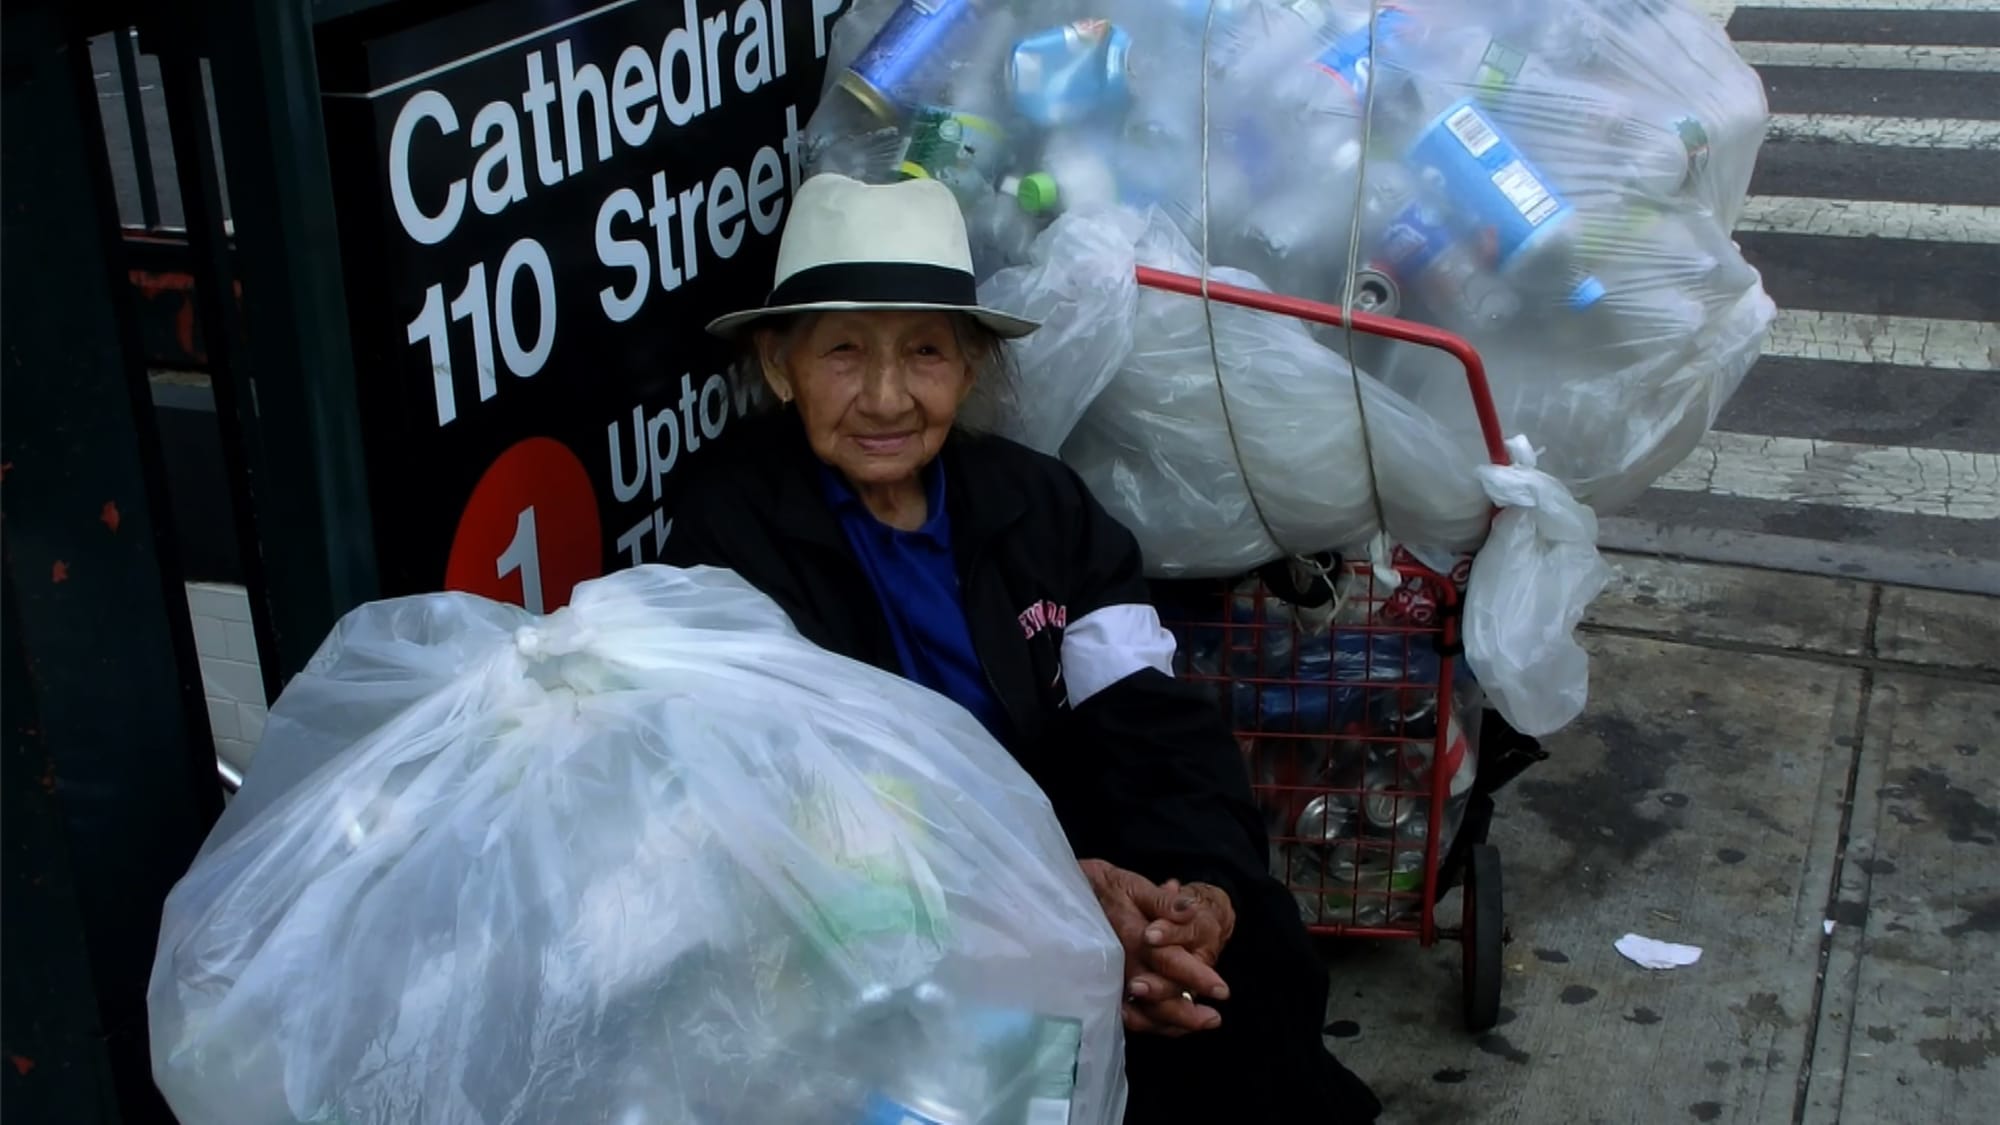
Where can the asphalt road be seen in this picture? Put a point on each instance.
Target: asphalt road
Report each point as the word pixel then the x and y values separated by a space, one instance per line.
pixel 1865 441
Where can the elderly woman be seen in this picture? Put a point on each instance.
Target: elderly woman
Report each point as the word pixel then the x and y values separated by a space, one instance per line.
pixel 896 535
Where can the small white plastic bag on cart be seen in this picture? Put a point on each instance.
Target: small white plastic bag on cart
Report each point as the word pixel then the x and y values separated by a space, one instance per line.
pixel 653 858
pixel 1531 584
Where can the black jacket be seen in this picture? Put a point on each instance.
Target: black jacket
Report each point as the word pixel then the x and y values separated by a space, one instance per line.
pixel 1143 774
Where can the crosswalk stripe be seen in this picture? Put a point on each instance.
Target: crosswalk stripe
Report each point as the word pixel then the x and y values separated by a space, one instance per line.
pixel 1863 218
pixel 1907 341
pixel 1864 5
pixel 1870 56
pixel 1894 132
pixel 1880 478
pixel 1916 481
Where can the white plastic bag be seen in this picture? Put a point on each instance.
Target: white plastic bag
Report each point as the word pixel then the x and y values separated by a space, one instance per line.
pixel 1531 584
pixel 653 858
pixel 1176 462
pixel 1082 289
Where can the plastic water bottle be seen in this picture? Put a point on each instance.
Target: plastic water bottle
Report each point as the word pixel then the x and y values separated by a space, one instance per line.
pixel 1053 1085
pixel 1003 224
pixel 1495 190
pixel 1035 193
pixel 1660 268
pixel 949 1063
pixel 1585 129
pixel 1069 73
pixel 1296 239
pixel 1410 240
pixel 963 151
pixel 1160 148
pixel 1670 147
pixel 1078 165
pixel 1420 72
pixel 1350 63
pixel 1265 46
pixel 962 138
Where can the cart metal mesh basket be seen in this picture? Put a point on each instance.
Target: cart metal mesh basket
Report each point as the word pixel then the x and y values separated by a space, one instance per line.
pixel 1348 714
pixel 1360 729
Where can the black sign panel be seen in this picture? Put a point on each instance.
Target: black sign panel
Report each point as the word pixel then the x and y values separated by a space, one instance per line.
pixel 541 203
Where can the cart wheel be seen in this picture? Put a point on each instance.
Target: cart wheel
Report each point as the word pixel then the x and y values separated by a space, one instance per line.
pixel 1481 930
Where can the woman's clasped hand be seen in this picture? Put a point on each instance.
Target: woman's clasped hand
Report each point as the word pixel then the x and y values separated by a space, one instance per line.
pixel 1172 935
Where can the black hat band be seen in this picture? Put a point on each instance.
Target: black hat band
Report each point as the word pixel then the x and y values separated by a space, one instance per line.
pixel 884 283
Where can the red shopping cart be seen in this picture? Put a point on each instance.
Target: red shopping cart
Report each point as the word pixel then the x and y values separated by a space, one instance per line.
pixel 1368 750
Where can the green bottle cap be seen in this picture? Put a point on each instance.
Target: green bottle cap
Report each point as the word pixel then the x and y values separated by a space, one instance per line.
pixel 1036 192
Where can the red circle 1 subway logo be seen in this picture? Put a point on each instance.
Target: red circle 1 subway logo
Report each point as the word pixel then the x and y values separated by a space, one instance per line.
pixel 529 533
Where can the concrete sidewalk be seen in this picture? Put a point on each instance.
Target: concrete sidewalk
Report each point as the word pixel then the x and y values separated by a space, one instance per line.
pixel 1764 754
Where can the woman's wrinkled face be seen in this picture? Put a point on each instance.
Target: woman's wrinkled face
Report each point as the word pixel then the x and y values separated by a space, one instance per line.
pixel 877 389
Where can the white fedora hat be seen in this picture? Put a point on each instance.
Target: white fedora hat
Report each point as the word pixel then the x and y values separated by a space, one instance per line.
pixel 850 245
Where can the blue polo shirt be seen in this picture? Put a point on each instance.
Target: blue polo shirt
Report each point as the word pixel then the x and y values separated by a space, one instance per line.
pixel 916 582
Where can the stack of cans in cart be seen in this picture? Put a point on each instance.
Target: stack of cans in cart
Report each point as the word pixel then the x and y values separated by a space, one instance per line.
pixel 1350 730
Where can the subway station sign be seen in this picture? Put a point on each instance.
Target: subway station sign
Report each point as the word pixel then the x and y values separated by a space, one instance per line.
pixel 541 203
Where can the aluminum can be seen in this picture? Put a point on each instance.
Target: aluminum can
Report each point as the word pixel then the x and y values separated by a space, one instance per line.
pixel 1415 828
pixel 1406 870
pixel 1406 876
pixel 1326 819
pixel 1376 292
pixel 1390 799
pixel 1458 749
pixel 919 34
pixel 1307 877
pixel 1286 774
pixel 1068 73
pixel 1346 885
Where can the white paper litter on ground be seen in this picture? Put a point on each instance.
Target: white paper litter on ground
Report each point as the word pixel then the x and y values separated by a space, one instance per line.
pixel 1649 953
pixel 1829 925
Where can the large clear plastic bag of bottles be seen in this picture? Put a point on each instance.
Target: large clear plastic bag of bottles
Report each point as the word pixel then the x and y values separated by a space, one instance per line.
pixel 653 858
pixel 1553 179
